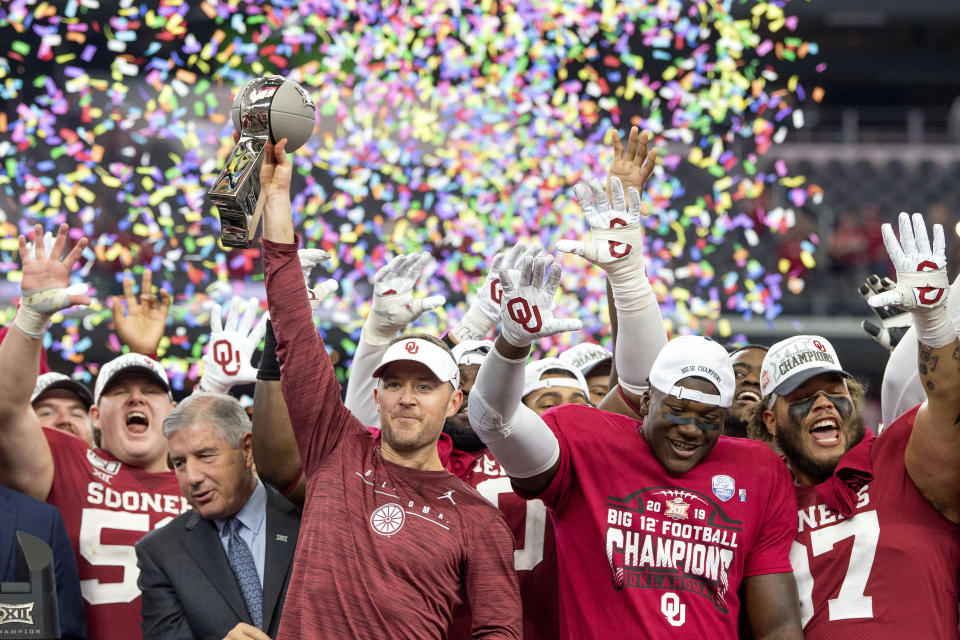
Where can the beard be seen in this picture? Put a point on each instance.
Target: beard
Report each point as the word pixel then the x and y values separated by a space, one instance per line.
pixel 464 438
pixel 791 441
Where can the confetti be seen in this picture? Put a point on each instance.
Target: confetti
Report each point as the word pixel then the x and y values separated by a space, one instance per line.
pixel 456 128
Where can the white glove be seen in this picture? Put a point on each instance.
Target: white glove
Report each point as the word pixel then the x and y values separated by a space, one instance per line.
pixel 484 312
pixel 615 244
pixel 230 349
pixel 891 323
pixel 616 235
pixel 922 286
pixel 526 309
pixel 394 306
pixel 309 258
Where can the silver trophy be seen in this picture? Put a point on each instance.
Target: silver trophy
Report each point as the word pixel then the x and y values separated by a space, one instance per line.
pixel 237 188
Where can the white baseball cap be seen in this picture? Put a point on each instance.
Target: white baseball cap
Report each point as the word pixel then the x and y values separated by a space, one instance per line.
pixel 470 352
pixel 791 362
pixel 436 358
pixel 130 363
pixel 52 380
pixel 534 372
pixel 585 356
pixel 694 356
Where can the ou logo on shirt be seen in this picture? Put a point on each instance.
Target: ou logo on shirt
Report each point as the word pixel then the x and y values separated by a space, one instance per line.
pixel 672 609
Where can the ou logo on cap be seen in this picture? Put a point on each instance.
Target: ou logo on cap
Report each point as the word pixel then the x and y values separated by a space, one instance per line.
pixel 411 347
pixel 819 346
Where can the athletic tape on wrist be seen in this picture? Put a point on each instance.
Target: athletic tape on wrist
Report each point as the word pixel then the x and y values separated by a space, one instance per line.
pixel 934 327
pixel 378 331
pixel 37 306
pixel 31 323
pixel 474 326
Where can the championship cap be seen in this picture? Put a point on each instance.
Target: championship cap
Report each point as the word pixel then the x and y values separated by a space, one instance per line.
pixel 586 356
pixel 436 358
pixel 791 362
pixel 686 356
pixel 53 380
pixel 470 352
pixel 534 372
pixel 130 363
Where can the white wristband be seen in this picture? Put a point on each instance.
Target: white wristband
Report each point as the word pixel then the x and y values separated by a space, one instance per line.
pixel 30 322
pixel 631 296
pixel 934 327
pixel 474 326
pixel 377 334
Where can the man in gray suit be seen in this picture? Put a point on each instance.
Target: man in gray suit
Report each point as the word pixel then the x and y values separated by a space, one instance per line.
pixel 221 569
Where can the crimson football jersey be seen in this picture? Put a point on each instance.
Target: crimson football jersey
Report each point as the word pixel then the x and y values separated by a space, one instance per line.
pixel 646 553
pixel 107 507
pixel 887 571
pixel 535 557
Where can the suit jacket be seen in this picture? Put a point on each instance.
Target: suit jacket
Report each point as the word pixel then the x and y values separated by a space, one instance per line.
pixel 22 513
pixel 189 590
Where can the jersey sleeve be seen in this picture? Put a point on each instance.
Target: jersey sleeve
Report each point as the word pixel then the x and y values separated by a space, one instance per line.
pixel 558 491
pixel 770 552
pixel 490 581
pixel 68 452
pixel 307 379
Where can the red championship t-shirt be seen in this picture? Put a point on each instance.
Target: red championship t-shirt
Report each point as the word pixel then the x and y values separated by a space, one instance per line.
pixel 889 570
pixel 107 507
pixel 535 556
pixel 645 553
pixel 385 551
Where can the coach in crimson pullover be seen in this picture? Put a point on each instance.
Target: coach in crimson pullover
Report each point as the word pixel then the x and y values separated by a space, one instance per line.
pixel 391 543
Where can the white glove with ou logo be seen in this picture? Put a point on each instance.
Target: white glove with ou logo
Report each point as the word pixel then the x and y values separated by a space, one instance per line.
pixel 394 306
pixel 526 308
pixel 484 312
pixel 615 244
pixel 616 235
pixel 226 362
pixel 922 285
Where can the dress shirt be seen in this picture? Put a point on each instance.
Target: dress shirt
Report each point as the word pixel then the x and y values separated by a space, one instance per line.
pixel 253 517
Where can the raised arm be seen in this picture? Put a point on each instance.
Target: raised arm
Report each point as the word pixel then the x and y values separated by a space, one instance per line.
pixel 392 310
pixel 308 381
pixel 142 326
pixel 616 246
pixel 519 439
pixel 26 463
pixel 933 454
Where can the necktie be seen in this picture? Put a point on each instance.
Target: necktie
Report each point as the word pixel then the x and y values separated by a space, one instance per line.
pixel 241 561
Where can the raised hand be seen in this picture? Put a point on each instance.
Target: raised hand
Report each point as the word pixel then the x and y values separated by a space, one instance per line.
pixel 484 312
pixel 309 258
pixel 44 285
pixel 526 309
pixel 275 171
pixel 142 326
pixel 922 283
pixel 891 322
pixel 634 167
pixel 394 306
pixel 226 361
pixel 616 235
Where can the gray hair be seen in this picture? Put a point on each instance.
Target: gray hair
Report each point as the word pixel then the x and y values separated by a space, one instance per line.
pixel 218 410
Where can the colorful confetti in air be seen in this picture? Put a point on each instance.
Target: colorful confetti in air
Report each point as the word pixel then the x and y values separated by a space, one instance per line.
pixel 453 127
